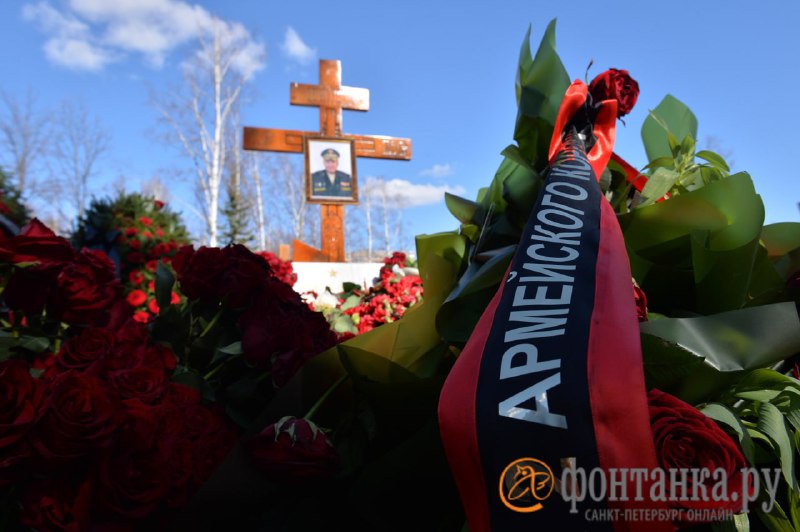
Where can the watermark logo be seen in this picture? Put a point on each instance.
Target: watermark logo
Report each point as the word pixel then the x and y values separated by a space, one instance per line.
pixel 525 483
pixel 690 494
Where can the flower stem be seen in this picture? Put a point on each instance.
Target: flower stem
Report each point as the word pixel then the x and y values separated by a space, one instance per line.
pixel 211 323
pixel 325 396
pixel 213 372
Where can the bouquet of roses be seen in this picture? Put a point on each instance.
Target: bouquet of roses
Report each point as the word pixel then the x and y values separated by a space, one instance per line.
pixel 107 422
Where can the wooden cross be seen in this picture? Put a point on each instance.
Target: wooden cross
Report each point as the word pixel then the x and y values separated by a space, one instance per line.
pixel 331 97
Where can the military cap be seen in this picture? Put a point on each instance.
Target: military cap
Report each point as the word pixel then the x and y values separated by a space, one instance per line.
pixel 330 153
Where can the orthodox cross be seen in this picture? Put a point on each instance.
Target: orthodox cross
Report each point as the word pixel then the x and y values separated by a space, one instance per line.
pixel 331 97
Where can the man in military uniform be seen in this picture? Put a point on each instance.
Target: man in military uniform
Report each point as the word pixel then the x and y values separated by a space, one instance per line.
pixel 331 181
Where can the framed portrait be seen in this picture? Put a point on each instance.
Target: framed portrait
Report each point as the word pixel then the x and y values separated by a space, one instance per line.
pixel 330 170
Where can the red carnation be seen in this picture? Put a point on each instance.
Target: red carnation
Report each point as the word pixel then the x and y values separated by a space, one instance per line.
pixel 616 85
pixel 137 297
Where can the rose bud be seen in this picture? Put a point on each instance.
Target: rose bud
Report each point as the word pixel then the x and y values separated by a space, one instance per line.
pixel 617 85
pixel 686 438
pixel 293 451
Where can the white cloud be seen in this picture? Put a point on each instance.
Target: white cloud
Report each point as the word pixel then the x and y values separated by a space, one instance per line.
pixel 438 170
pixel 296 49
pixel 89 34
pixel 410 194
pixel 71 43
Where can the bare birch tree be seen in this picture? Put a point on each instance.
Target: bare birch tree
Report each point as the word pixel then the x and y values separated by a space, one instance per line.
pixel 23 137
pixel 253 166
pixel 79 141
pixel 199 116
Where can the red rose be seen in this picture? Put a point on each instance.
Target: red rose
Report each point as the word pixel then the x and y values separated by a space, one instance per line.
pixel 56 505
pixel 158 204
pixel 152 306
pixel 80 416
pixel 151 265
pixel 20 401
pixel 36 243
pixel 293 451
pixel 148 235
pixel 140 427
pixel 199 271
pixel 278 322
pixel 687 438
pixel 144 220
pixel 135 244
pixel 131 231
pixel 181 395
pixel 136 297
pixel 616 85
pixel 245 272
pixel 641 302
pixel 136 277
pixel 141 316
pixel 86 289
pixel 82 351
pixel 132 480
pixel 144 382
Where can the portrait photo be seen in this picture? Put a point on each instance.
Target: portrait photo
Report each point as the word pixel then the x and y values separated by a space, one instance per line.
pixel 330 172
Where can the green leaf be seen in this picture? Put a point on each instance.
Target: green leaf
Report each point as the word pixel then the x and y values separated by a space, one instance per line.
pixel 763 385
pixel 465 211
pixel 164 283
pixel 724 415
pixel 351 302
pixel 349 287
pixel 667 162
pixel 714 159
pixel 34 344
pixel 226 352
pixel 794 507
pixel 343 324
pixel 540 86
pixel 739 523
pixel 662 180
pixel 781 238
pixel 666 363
pixel 678 120
pixel 775 520
pixel 463 307
pixel 699 251
pixel 772 423
pixel 730 343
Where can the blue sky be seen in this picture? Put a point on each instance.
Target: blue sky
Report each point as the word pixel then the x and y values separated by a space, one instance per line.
pixel 441 73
